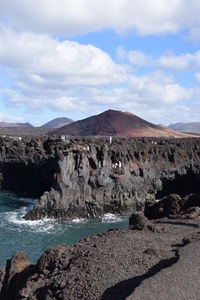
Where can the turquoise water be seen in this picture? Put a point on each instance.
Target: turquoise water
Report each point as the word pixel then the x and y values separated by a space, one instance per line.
pixel 34 237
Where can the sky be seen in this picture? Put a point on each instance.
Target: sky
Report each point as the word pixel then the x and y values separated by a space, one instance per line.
pixel 77 58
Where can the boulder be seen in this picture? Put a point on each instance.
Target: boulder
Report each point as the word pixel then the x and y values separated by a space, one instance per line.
pixel 169 205
pixel 15 266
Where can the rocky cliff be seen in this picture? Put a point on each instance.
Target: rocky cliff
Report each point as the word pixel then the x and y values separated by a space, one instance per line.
pixel 89 177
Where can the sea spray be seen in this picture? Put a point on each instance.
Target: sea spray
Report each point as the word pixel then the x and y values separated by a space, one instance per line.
pixel 34 237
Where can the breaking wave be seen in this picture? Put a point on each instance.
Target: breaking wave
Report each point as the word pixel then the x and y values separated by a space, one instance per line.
pixel 34 237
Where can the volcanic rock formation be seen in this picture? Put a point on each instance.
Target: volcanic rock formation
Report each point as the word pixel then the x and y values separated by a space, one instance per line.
pixel 116 123
pixel 89 177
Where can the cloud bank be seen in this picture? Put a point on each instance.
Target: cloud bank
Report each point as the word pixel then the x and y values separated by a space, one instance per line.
pixel 70 17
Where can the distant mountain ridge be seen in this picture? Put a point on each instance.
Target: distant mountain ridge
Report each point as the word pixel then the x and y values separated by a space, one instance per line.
pixel 15 125
pixel 116 123
pixel 57 123
pixel 186 127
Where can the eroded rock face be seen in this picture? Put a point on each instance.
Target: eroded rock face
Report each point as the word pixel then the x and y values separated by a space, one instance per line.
pixel 88 177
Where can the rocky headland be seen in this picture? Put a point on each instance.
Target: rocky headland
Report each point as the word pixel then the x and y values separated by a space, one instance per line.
pixel 87 177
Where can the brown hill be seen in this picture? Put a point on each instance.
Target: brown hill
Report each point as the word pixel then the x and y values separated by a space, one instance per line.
pixel 186 127
pixel 57 123
pixel 15 125
pixel 116 123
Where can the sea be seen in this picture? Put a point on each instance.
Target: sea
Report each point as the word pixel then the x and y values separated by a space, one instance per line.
pixel 34 237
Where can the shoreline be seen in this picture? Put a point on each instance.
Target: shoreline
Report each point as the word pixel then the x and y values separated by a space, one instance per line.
pixel 130 260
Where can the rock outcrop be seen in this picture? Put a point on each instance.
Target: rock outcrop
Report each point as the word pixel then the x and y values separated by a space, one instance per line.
pixel 89 177
pixel 9 278
pixel 174 206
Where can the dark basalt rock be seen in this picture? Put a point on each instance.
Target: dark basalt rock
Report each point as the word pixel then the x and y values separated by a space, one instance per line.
pixel 87 177
pixel 2 276
pixel 9 276
pixel 174 206
pixel 170 204
pixel 138 221
pixel 191 212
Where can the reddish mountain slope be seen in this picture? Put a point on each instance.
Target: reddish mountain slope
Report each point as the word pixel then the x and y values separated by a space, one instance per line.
pixel 116 123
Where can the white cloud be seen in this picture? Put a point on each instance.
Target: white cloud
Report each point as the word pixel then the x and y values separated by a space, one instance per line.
pixel 176 62
pixel 195 34
pixel 67 104
pixel 150 96
pixel 44 60
pixel 67 76
pixel 134 57
pixel 197 77
pixel 182 62
pixel 138 58
pixel 121 53
pixel 9 118
pixel 158 89
pixel 82 16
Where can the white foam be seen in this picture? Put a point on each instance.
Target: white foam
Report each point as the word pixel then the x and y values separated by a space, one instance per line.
pixel 157 200
pixel 111 218
pixel 16 219
pixel 79 220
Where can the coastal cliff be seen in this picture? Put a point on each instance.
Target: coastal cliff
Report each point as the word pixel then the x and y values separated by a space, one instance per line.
pixel 87 177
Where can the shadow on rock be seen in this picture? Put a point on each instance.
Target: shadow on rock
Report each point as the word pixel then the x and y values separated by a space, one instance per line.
pixel 194 225
pixel 15 276
pixel 125 288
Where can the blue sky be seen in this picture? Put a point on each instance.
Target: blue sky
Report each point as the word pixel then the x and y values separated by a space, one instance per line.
pixel 76 58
